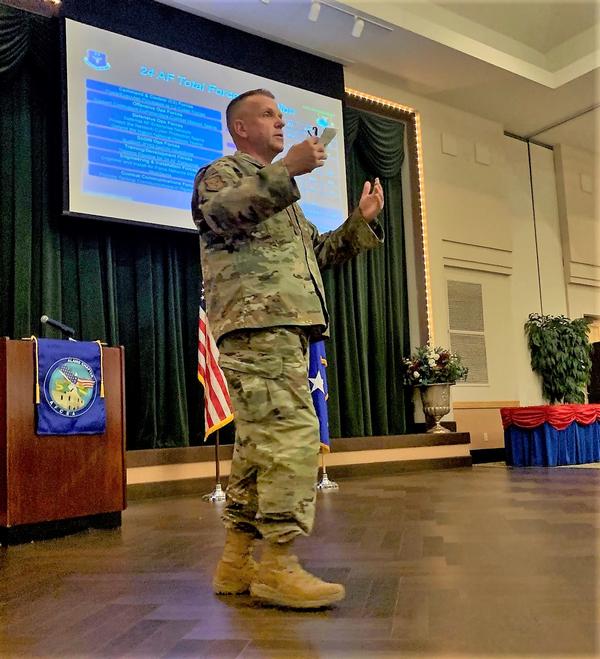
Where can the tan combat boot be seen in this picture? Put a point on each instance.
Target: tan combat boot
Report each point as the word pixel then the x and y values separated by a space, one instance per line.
pixel 236 569
pixel 282 581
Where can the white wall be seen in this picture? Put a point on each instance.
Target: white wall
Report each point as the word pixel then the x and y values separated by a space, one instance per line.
pixel 537 281
pixel 579 209
pixel 552 275
pixel 483 229
pixel 524 293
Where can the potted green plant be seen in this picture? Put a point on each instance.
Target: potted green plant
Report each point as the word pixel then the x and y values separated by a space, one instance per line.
pixel 433 371
pixel 561 355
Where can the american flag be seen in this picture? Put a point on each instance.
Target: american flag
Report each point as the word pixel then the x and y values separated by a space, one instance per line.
pixel 217 404
pixel 73 378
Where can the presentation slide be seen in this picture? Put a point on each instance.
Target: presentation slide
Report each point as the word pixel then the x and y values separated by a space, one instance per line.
pixel 143 119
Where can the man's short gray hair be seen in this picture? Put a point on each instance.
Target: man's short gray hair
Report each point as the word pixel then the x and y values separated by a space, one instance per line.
pixel 239 99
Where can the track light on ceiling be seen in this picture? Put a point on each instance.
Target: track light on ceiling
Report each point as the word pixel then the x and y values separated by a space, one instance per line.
pixel 315 10
pixel 358 27
pixel 359 21
pixel 265 2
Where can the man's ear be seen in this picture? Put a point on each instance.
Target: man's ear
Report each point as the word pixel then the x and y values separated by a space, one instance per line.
pixel 239 128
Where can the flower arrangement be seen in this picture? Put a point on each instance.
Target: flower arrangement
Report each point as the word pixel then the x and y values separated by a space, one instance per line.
pixel 429 365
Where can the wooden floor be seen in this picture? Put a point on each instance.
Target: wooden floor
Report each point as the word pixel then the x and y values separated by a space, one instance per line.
pixel 467 562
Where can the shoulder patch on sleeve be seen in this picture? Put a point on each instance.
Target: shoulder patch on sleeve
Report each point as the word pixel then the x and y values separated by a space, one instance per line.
pixel 214 183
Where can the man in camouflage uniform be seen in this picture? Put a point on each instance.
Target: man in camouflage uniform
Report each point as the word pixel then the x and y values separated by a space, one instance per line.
pixel 261 262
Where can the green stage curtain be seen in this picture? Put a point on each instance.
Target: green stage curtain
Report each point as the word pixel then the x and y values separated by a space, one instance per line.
pixel 131 286
pixel 367 297
pixel 139 287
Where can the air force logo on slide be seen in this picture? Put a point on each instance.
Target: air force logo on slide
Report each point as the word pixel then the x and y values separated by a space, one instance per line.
pixel 97 60
pixel 70 387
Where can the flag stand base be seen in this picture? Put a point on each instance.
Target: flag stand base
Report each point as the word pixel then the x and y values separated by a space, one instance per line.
pixel 217 495
pixel 325 483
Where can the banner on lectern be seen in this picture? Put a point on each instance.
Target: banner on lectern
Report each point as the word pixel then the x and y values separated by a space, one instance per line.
pixel 69 388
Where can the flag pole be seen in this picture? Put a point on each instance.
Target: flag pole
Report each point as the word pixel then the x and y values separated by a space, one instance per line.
pixel 217 495
pixel 325 483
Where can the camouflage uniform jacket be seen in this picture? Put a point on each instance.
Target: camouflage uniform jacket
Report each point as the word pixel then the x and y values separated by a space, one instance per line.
pixel 261 258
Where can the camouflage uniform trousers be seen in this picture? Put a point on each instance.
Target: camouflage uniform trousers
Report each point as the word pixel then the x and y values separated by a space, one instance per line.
pixel 271 490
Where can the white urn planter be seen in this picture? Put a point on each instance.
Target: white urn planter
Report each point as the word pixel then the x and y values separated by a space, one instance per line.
pixel 436 404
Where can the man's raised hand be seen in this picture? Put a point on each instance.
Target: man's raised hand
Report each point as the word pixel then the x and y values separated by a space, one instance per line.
pixel 371 200
pixel 302 158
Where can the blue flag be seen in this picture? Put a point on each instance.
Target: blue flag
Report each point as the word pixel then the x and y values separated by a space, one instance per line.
pixel 71 401
pixel 317 381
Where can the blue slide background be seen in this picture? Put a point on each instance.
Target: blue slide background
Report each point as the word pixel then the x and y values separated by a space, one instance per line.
pixel 150 140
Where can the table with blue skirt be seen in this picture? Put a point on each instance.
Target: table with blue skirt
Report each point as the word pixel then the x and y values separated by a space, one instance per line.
pixel 551 435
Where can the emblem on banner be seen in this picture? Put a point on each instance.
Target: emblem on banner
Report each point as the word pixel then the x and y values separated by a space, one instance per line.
pixel 70 387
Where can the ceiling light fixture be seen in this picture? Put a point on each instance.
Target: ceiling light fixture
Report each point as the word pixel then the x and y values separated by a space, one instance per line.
pixel 359 20
pixel 315 10
pixel 358 27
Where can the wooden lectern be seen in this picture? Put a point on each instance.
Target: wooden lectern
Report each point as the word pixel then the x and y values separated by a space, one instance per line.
pixel 53 485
